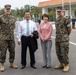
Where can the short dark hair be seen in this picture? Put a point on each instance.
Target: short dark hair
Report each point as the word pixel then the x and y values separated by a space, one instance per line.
pixel 27 11
pixel 45 15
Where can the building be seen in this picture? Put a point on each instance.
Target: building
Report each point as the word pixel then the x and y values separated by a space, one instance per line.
pixel 68 5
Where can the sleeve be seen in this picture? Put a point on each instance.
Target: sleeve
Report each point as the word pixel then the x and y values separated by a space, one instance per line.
pixel 40 32
pixel 68 23
pixel 14 22
pixel 50 32
pixel 35 27
pixel 19 32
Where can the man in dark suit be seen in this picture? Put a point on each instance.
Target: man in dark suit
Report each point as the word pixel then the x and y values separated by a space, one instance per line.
pixel 27 34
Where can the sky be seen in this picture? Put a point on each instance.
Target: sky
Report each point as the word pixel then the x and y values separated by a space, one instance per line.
pixel 19 3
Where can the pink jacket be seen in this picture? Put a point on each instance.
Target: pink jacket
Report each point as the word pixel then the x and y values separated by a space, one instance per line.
pixel 45 32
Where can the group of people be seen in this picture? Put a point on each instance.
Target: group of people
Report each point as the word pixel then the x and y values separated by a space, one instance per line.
pixel 27 37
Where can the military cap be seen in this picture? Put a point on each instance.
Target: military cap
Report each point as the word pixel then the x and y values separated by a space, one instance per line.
pixel 7 6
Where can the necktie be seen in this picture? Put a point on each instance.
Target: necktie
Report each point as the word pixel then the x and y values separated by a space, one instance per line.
pixel 27 33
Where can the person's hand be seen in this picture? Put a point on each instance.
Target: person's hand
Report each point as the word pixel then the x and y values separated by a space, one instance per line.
pixel 19 42
pixel 31 35
pixel 43 40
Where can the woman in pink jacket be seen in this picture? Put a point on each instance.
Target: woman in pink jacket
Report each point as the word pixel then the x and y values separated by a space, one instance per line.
pixel 45 32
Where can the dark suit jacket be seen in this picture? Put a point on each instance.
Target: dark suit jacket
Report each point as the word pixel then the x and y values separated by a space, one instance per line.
pixel 34 43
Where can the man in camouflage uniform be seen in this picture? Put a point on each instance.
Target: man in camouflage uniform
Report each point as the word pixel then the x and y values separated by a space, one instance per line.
pixel 7 25
pixel 63 30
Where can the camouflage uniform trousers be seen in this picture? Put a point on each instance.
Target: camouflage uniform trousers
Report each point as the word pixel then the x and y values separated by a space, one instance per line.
pixel 4 46
pixel 62 51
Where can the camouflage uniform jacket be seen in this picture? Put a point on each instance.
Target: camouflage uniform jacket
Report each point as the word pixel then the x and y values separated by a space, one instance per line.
pixel 61 29
pixel 7 25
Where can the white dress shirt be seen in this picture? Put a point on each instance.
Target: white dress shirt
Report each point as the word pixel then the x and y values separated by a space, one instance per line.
pixel 22 28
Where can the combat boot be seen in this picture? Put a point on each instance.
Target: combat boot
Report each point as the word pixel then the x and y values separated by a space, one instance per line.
pixel 66 68
pixel 2 67
pixel 12 65
pixel 59 66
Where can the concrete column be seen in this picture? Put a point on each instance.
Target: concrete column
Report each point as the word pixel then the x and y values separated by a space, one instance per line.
pixel 56 13
pixel 66 13
pixel 72 13
pixel 73 10
pixel 44 10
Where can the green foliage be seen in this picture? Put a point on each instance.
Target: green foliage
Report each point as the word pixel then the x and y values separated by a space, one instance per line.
pixel 19 13
pixel 75 11
pixel 1 11
pixel 35 12
pixel 52 15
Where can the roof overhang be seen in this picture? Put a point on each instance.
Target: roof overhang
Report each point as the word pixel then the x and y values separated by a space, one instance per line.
pixel 50 5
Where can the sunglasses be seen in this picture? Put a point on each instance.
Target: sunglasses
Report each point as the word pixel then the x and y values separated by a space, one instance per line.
pixel 8 9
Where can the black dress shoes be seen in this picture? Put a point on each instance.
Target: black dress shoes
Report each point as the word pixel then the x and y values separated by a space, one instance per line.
pixel 48 67
pixel 44 66
pixel 33 66
pixel 23 66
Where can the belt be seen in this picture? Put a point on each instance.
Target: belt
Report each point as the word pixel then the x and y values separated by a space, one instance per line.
pixel 26 36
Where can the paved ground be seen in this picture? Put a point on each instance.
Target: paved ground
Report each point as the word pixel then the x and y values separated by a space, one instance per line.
pixel 40 71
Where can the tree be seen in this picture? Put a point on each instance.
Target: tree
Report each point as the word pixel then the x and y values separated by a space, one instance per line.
pixel 1 11
pixel 19 13
pixel 52 15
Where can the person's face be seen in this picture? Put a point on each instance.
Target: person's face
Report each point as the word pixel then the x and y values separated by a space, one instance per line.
pixel 59 14
pixel 45 19
pixel 27 15
pixel 7 11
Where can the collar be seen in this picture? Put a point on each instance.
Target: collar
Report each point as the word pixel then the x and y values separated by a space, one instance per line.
pixel 27 20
